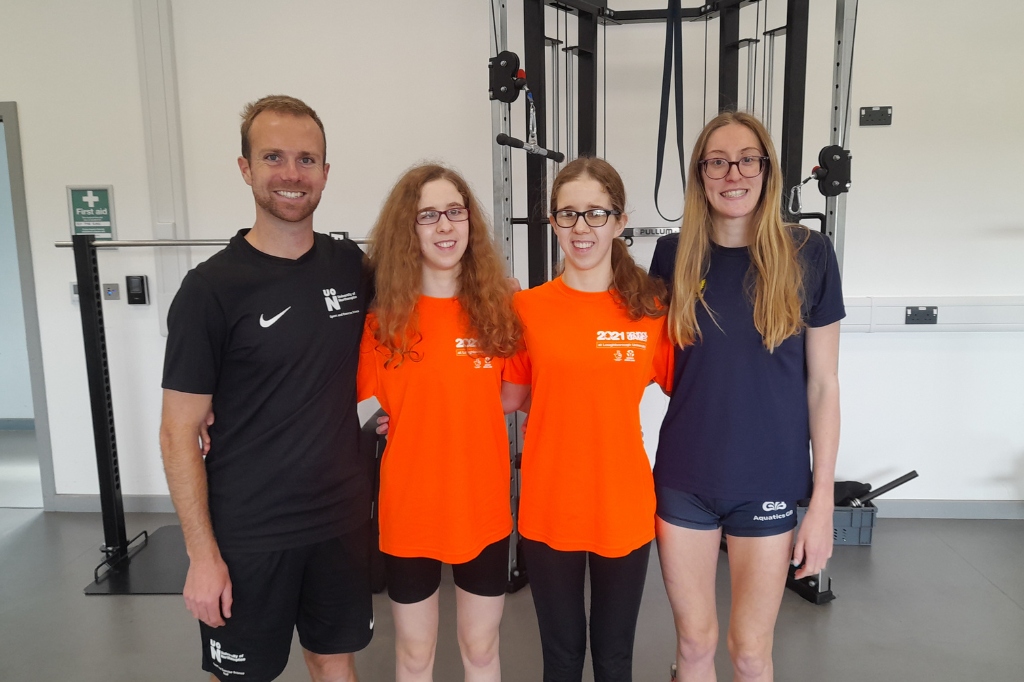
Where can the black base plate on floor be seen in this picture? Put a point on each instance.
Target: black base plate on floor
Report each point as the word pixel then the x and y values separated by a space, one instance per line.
pixel 159 567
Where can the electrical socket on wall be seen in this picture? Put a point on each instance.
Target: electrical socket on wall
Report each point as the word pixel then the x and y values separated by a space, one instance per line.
pixel 922 314
pixel 876 116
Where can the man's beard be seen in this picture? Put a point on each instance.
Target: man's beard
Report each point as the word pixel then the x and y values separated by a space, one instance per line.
pixel 267 201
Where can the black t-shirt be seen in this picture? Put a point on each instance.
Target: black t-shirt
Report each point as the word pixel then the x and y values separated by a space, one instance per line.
pixel 275 341
pixel 737 423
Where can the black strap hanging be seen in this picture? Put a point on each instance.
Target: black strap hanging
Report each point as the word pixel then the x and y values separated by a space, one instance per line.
pixel 673 55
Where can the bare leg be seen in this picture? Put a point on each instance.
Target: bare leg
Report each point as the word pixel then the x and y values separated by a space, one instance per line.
pixel 689 560
pixel 415 639
pixel 479 618
pixel 331 667
pixel 758 567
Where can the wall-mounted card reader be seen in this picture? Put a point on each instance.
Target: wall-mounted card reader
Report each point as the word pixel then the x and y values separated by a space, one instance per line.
pixel 138 289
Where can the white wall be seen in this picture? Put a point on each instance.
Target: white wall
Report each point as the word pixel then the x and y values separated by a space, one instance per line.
pixel 16 391
pixel 398 82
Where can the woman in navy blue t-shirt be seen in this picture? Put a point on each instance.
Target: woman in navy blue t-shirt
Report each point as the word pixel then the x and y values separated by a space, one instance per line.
pixel 754 313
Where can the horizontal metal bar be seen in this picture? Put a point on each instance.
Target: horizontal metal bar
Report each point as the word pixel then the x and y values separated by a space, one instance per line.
pixel 648 231
pixel 595 7
pixel 115 244
pixel 650 16
pixel 710 10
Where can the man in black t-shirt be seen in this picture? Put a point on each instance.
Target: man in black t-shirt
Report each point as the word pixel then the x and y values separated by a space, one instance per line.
pixel 265 334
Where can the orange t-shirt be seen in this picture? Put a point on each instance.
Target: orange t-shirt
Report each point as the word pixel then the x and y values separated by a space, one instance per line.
pixel 586 479
pixel 444 486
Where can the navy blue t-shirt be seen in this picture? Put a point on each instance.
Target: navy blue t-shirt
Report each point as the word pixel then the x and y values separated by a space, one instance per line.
pixel 737 423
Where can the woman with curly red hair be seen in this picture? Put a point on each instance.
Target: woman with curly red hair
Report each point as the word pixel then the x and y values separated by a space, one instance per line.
pixel 434 348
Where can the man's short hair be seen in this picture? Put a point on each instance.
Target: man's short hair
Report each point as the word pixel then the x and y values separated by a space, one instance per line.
pixel 281 104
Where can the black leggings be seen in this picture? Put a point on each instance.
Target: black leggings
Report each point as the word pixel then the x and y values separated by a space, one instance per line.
pixel 616 587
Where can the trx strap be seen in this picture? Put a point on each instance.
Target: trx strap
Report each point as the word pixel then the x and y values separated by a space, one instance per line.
pixel 673 54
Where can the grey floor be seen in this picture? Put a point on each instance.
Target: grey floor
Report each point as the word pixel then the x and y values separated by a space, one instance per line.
pixel 19 470
pixel 930 600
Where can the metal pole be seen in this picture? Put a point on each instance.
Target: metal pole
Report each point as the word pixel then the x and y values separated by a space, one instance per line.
pixel 751 46
pixel 846 25
pixel 501 160
pixel 728 54
pixel 586 33
pixel 793 88
pixel 536 166
pixel 90 303
pixel 570 110
pixel 552 245
pixel 130 243
pixel 770 80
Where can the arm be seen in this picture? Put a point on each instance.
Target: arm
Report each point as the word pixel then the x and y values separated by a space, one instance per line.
pixel 514 397
pixel 814 540
pixel 207 586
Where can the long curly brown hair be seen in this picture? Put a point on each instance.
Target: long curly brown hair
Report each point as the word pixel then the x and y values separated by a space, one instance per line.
pixel 484 291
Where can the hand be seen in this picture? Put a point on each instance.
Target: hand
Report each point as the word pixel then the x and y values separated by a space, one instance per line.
pixel 204 434
pixel 382 425
pixel 813 541
pixel 208 591
pixel 514 283
pixel 522 427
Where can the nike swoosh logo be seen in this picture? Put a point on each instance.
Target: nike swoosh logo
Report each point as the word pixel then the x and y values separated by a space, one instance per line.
pixel 371 622
pixel 275 318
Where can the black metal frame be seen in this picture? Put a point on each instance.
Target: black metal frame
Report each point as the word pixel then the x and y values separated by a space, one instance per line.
pixel 162 569
pixel 589 16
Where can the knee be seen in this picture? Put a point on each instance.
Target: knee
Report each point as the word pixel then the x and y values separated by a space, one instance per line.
pixel 697 645
pixel 331 668
pixel 479 651
pixel 415 656
pixel 751 661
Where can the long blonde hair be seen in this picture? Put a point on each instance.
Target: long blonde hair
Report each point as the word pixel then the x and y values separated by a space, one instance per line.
pixel 639 294
pixel 483 290
pixel 776 275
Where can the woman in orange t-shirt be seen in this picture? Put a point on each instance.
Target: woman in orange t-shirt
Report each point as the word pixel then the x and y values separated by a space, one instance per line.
pixel 594 340
pixel 435 347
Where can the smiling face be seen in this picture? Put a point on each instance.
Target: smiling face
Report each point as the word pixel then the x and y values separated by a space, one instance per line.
pixel 587 249
pixel 443 243
pixel 733 197
pixel 286 171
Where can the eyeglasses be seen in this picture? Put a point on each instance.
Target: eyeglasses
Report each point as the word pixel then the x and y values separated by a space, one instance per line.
pixel 595 217
pixel 749 167
pixel 456 215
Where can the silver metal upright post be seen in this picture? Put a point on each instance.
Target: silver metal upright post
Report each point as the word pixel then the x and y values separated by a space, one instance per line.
pixel 501 161
pixel 846 27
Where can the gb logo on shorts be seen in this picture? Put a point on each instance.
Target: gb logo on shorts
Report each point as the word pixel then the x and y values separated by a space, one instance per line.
pixel 773 506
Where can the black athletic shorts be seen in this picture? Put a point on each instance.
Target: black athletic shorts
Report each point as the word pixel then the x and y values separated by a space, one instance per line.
pixel 323 590
pixel 411 580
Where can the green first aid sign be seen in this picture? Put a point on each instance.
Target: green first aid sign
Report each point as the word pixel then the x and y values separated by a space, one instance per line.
pixel 92 211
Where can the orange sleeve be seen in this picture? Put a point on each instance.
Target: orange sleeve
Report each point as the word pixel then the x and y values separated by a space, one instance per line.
pixel 366 377
pixel 518 369
pixel 664 360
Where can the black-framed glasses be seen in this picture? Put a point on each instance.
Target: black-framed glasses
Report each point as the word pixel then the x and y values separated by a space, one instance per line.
pixel 456 214
pixel 595 217
pixel 748 166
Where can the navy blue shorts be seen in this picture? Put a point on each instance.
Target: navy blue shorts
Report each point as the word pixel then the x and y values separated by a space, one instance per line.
pixel 739 518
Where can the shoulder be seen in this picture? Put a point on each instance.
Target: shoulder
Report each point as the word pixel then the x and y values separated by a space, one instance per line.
pixel 668 243
pixel 664 259
pixel 813 246
pixel 340 248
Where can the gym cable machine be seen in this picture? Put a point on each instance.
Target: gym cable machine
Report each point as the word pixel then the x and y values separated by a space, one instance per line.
pixel 507 80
